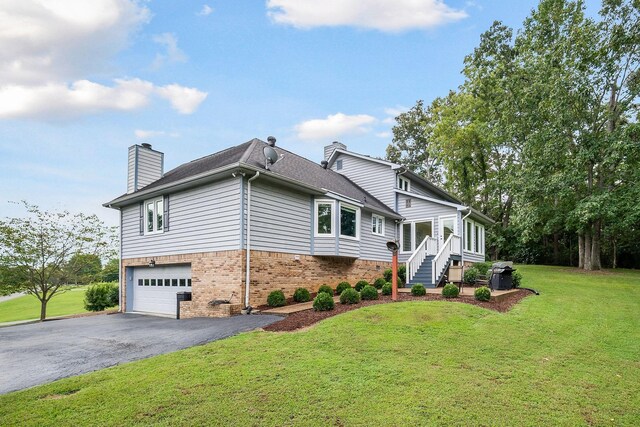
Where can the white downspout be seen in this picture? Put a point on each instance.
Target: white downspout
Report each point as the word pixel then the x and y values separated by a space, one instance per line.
pixel 248 245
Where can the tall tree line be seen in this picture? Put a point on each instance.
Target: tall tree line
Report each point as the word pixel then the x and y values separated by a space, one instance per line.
pixel 543 135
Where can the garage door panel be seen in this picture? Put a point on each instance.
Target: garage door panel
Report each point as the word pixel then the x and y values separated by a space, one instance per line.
pixel 154 289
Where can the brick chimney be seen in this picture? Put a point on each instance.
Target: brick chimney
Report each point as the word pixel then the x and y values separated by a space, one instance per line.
pixel 145 166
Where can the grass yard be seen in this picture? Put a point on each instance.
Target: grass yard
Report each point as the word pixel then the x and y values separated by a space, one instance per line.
pixel 570 356
pixel 28 307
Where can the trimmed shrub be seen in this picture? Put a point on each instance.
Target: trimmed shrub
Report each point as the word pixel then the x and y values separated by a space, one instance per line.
pixel 323 302
pixel 418 290
pixel 482 267
pixel 379 283
pixel 276 299
pixel 470 276
pixel 342 286
pixel 361 284
pixel 369 292
pixel 301 295
pixel 387 274
pixel 450 291
pixel 402 273
pixel 482 293
pixel 387 289
pixel 349 296
pixel 326 289
pixel 101 296
pixel 516 277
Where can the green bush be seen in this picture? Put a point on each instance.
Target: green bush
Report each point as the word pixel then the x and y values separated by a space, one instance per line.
pixel 326 289
pixel 301 295
pixel 482 293
pixel 470 276
pixel 101 296
pixel 482 267
pixel 361 284
pixel 418 290
pixel 450 291
pixel 516 277
pixel 342 286
pixel 276 299
pixel 387 289
pixel 349 296
pixel 368 293
pixel 323 302
pixel 379 283
pixel 402 273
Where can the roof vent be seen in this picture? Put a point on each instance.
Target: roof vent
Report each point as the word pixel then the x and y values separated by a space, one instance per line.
pixel 324 164
pixel 271 141
pixel 146 145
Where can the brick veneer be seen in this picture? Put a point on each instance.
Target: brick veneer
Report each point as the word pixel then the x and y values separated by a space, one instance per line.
pixel 220 275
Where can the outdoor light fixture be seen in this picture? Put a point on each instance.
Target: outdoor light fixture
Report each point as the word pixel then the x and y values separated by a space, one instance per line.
pixel 393 247
pixel 152 263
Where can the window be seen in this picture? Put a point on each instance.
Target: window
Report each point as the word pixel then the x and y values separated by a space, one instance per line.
pixel 469 236
pixel 154 218
pixel 339 164
pixel 422 230
pixel 349 221
pixel 406 237
pixel 413 233
pixel 324 218
pixel 377 224
pixel 403 183
pixel 474 237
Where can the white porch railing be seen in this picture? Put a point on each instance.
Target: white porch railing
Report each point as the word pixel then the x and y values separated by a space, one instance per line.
pixel 450 247
pixel 429 246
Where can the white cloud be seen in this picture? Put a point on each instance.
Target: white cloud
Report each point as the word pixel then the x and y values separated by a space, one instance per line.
pixel 54 40
pixel 383 134
pixel 173 52
pixel 334 126
pixel 206 10
pixel 392 113
pixel 185 100
pixel 59 100
pixel 148 134
pixel 48 48
pixel 384 15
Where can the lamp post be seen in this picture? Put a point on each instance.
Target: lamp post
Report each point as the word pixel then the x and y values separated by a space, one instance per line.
pixel 393 247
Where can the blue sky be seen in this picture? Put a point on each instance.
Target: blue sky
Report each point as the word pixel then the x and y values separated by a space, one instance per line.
pixel 81 81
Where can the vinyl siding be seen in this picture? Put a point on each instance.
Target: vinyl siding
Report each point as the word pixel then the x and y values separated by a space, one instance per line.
pixel 280 219
pixel 418 189
pixel 324 246
pixel 473 257
pixel 149 167
pixel 375 178
pixel 372 246
pixel 349 248
pixel 202 219
pixel 131 169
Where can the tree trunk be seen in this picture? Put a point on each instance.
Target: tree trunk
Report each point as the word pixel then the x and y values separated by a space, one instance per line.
pixel 587 250
pixel 595 247
pixel 615 258
pixel 556 250
pixel 43 310
pixel 580 250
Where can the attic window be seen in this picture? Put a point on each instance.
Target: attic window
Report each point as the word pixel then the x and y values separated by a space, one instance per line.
pixel 403 183
pixel 339 164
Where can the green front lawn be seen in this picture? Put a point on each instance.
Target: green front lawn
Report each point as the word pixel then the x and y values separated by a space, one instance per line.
pixel 28 307
pixel 570 356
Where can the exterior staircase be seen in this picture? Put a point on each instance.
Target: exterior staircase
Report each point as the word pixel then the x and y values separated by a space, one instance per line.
pixel 427 258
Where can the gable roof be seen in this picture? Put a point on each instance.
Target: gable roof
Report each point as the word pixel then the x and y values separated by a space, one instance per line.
pixel 293 169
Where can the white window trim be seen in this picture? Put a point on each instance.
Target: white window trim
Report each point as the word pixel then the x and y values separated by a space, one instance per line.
pixel 413 233
pixel 399 183
pixel 333 217
pixel 481 237
pixel 357 209
pixel 154 203
pixel 375 218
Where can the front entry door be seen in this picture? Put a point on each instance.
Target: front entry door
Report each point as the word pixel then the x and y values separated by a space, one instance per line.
pixel 446 227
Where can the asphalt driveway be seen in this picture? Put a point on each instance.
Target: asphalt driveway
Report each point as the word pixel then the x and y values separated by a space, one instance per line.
pixel 39 353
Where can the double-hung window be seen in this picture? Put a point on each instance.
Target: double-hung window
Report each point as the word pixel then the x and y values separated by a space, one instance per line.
pixel 377 225
pixel 324 218
pixel 403 183
pixel 154 216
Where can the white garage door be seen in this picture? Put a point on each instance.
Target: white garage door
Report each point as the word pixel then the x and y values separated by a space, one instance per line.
pixel 154 289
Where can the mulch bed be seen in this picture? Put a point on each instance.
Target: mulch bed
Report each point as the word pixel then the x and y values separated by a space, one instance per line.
pixel 303 319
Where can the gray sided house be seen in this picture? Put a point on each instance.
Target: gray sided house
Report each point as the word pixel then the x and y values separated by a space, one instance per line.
pixel 234 227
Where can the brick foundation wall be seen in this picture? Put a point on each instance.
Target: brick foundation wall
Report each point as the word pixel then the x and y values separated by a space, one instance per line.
pixel 216 275
pixel 275 270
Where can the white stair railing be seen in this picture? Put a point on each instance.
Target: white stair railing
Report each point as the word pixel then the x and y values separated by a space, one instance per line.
pixel 439 262
pixel 429 246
